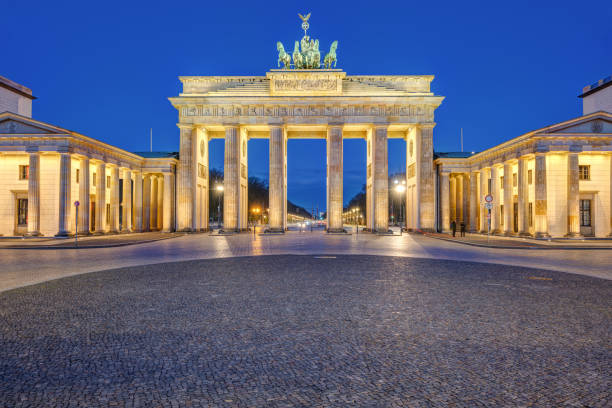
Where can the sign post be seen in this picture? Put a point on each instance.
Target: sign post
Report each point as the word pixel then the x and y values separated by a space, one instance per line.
pixel 76 223
pixel 488 206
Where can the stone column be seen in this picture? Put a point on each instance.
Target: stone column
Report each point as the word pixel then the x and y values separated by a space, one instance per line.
pixel 34 194
pixel 523 197
pixel 84 192
pixel 380 179
pixel 334 179
pixel 114 200
pixel 466 199
pixel 425 182
pixel 484 186
pixel 185 179
pixel 459 198
pixel 278 194
pixel 146 202
pixel 160 202
pixel 101 199
pixel 508 207
pixel 126 218
pixel 167 200
pixel 445 201
pixel 473 210
pixel 138 207
pixel 153 205
pixel 541 212
pixel 573 196
pixel 453 198
pixel 64 195
pixel 231 180
pixel 495 192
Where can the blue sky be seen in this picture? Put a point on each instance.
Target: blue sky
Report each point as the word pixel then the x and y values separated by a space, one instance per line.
pixel 106 69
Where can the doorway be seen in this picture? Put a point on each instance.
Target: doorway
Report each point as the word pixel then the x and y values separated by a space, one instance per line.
pixel 515 217
pixel 586 226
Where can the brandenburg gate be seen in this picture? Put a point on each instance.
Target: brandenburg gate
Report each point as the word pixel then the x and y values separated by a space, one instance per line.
pixel 306 99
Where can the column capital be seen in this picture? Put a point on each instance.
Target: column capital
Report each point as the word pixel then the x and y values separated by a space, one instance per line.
pixel 32 149
pixel 335 124
pixel 230 125
pixel 63 150
pixel 426 125
pixel 185 126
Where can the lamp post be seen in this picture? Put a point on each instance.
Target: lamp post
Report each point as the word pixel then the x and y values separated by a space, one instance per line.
pixel 400 189
pixel 219 189
pixel 256 211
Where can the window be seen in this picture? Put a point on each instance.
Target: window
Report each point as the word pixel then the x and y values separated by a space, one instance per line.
pixel 514 179
pixel 108 213
pixel 530 177
pixel 584 172
pixel 22 211
pixel 24 172
pixel 77 176
pixel 94 179
pixel 531 214
pixel 107 181
pixel 501 214
pixel 585 213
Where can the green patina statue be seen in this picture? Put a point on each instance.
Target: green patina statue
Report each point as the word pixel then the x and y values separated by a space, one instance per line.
pixel 306 54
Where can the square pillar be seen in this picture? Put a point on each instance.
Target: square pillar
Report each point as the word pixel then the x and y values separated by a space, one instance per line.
pixel 277 192
pixel 64 195
pixel 497 200
pixel 459 198
pixel 34 194
pixel 235 193
pixel 114 200
pixel 146 202
pixel 541 211
pixel 508 203
pixel 573 196
pixel 425 178
pixel 167 200
pixel 484 190
pixel 453 198
pixel 84 193
pixel 126 217
pixel 334 179
pixel 185 179
pixel 138 207
pixel 473 203
pixel 380 179
pixel 200 180
pixel 100 199
pixel 153 204
pixel 159 222
pixel 523 198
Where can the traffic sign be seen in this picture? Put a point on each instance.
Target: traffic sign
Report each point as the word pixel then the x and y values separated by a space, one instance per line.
pixel 488 198
pixel 488 206
pixel 76 203
pixel 489 216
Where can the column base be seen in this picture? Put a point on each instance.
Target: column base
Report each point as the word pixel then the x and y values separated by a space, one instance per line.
pixel 126 231
pixel 84 233
pixel 62 234
pixel 524 234
pixel 33 234
pixel 574 235
pixel 541 235
pixel 98 233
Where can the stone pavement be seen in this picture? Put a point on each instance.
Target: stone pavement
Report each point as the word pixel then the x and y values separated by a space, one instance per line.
pixel 497 241
pixel 89 241
pixel 308 331
pixel 25 267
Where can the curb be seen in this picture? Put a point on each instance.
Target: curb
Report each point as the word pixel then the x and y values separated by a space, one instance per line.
pixel 48 247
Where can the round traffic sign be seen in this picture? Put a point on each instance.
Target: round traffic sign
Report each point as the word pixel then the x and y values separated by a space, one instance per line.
pixel 488 198
pixel 76 203
pixel 488 206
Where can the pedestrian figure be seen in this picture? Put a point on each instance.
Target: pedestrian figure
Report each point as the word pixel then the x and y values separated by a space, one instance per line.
pixel 462 229
pixel 454 227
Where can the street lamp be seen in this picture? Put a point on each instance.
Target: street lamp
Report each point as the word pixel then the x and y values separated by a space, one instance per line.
pixel 219 189
pixel 400 189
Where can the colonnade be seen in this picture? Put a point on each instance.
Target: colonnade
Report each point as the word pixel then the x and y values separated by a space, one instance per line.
pixel 145 203
pixel 519 190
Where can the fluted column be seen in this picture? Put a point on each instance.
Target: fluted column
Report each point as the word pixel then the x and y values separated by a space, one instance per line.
pixel 508 207
pixel 523 197
pixel 64 195
pixel 114 200
pixel 126 217
pixel 380 179
pixel 278 194
pixel 541 208
pixel 100 198
pixel 84 192
pixel 484 190
pixel 185 179
pixel 334 179
pixel 573 195
pixel 167 202
pixel 466 199
pixel 473 206
pixel 445 201
pixel 425 178
pixel 459 197
pixel 146 202
pixel 160 202
pixel 138 204
pixel 34 194
pixel 453 198
pixel 153 206
pixel 495 192
pixel 231 179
